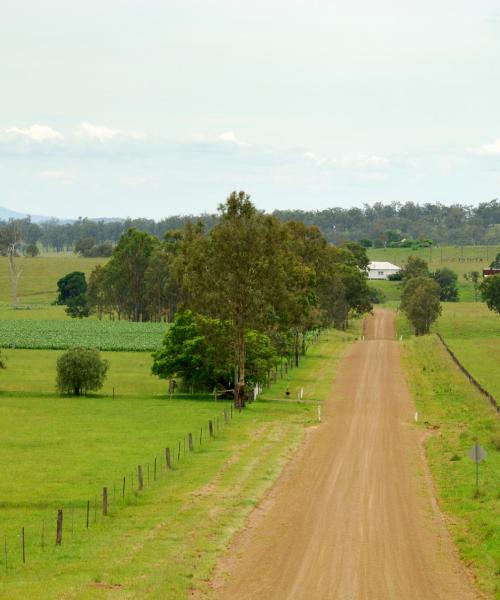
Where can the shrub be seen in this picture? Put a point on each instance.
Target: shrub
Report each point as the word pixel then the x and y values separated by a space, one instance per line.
pixel 80 370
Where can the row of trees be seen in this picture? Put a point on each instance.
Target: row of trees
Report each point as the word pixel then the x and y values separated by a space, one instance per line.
pixel 379 225
pixel 245 291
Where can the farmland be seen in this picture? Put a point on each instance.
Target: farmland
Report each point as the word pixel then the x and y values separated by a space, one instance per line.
pixel 57 334
pixel 38 282
pixel 461 259
pixel 447 402
pixel 59 452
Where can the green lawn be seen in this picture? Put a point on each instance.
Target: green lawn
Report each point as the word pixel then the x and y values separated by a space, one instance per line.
pixel 59 452
pixel 456 415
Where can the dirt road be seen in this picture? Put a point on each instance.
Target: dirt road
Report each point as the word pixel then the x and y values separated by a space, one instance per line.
pixel 353 517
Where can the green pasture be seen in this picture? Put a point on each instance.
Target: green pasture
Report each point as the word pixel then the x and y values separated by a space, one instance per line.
pixel 58 452
pixel 38 281
pixel 456 415
pixel 461 259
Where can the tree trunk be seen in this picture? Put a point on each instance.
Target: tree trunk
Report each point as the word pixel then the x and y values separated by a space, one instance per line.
pixel 296 349
pixel 15 273
pixel 239 385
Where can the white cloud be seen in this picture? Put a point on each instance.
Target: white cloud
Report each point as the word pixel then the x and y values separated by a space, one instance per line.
pixel 56 175
pixel 104 134
pixel 229 136
pixel 358 162
pixel 37 133
pixel 492 149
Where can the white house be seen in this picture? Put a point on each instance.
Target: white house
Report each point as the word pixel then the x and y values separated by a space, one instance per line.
pixel 381 270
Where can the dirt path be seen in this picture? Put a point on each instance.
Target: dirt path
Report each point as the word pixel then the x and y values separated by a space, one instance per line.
pixel 353 517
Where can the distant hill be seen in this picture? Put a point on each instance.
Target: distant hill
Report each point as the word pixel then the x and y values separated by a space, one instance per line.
pixel 6 214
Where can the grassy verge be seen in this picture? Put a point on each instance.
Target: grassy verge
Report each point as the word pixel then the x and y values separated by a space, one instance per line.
pixel 159 543
pixel 446 400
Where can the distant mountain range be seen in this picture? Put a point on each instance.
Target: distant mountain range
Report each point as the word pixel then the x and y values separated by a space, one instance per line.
pixel 6 214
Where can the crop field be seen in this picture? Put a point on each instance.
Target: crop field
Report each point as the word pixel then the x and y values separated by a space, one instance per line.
pixel 456 416
pixel 61 334
pixel 59 452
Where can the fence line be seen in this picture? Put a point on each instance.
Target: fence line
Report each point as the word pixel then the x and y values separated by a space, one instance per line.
pixel 15 546
pixel 469 375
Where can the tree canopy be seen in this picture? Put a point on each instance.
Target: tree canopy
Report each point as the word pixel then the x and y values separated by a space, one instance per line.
pixel 420 302
pixel 80 370
pixel 490 292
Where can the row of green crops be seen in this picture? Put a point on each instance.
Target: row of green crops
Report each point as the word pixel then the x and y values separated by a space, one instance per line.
pixel 62 334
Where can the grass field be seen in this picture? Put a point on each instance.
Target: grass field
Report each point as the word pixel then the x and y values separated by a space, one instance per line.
pixel 58 452
pixel 38 281
pixel 456 416
pixel 461 259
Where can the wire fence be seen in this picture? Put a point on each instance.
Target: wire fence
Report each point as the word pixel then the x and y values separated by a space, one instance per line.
pixel 73 522
pixel 469 375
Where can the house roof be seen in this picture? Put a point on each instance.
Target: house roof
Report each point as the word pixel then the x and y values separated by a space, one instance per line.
pixel 383 266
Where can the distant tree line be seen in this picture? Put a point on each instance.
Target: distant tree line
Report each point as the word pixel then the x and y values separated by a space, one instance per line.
pixel 376 225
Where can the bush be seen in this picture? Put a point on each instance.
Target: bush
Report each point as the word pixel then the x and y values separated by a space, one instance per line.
pixel 32 250
pixel 376 296
pixel 80 370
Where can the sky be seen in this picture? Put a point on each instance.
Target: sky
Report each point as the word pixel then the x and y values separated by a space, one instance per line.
pixel 151 108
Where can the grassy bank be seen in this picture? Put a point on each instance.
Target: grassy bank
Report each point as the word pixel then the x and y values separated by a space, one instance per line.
pixel 59 453
pixel 457 416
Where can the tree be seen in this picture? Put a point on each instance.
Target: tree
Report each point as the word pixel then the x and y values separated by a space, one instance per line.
pixel 80 370
pixel 32 250
pixel 10 242
pixel 77 306
pixel 125 274
pixel 496 263
pixel 161 282
pixel 2 361
pixel 473 276
pixel 197 350
pixel 490 292
pixel 235 273
pixel 420 302
pixel 96 290
pixel 415 267
pixel 447 281
pixel 84 245
pixel 359 253
pixel 70 286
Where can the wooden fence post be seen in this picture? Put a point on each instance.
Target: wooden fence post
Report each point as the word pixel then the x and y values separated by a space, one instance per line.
pixel 168 458
pixel 104 501
pixel 225 416
pixel 59 527
pixel 140 482
pixel 190 441
pixel 211 428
